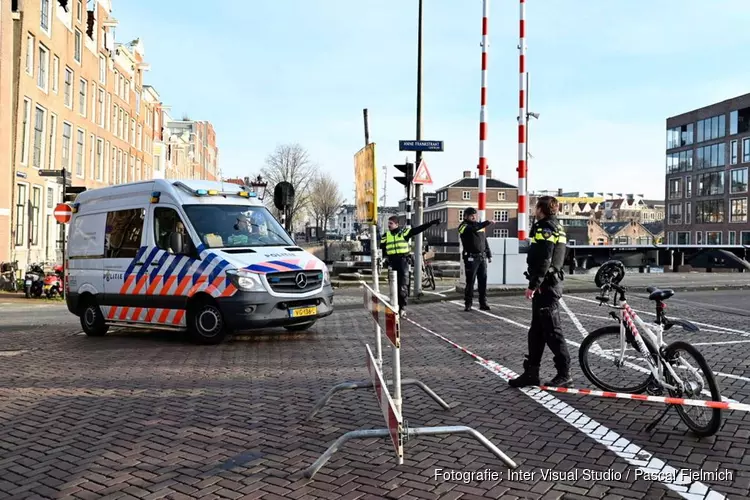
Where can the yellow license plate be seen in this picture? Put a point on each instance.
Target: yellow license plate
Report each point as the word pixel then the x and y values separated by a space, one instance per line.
pixel 303 311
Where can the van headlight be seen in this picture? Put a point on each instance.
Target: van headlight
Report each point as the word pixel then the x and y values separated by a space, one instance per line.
pixel 243 280
pixel 326 276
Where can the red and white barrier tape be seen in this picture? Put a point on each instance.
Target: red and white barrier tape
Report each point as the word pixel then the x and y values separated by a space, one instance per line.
pixel 721 405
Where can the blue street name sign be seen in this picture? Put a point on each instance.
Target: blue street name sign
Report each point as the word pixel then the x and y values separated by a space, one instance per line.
pixel 420 145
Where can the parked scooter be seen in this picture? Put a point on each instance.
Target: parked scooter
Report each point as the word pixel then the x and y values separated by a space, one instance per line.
pixel 9 276
pixel 34 281
pixel 53 282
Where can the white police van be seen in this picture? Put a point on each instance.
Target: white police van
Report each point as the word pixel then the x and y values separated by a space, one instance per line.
pixel 201 256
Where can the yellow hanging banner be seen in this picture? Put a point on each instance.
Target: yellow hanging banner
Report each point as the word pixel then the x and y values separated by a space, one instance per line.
pixel 366 178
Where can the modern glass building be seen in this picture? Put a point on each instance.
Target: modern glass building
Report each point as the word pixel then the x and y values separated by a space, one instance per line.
pixel 708 156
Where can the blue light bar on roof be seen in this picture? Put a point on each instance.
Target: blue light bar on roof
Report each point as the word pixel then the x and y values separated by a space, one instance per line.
pixel 201 192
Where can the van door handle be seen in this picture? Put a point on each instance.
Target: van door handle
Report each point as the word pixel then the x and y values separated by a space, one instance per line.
pixel 139 263
pixel 154 264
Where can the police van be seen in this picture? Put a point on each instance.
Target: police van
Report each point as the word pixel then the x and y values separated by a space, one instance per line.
pixel 201 256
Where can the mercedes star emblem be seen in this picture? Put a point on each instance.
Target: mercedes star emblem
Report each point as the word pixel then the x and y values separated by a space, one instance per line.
pixel 301 280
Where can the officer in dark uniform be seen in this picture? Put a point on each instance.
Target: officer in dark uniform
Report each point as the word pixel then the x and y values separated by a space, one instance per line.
pixel 395 246
pixel 545 274
pixel 476 254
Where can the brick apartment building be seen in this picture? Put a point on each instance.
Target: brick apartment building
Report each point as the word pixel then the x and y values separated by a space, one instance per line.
pixel 448 203
pixel 72 98
pixel 708 156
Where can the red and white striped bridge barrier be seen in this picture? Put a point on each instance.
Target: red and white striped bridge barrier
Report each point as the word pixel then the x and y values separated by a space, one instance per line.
pixel 385 315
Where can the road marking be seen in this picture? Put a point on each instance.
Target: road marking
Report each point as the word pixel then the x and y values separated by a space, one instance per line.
pixel 620 446
pixel 724 330
pixel 722 343
pixel 435 293
pixel 13 353
pixel 596 349
pixel 729 375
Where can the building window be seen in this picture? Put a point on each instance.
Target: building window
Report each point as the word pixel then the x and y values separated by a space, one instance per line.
pixel 501 196
pixel 746 150
pixel 711 128
pixel 126 128
pixel 68 91
pixel 92 159
pixel 732 237
pixel 80 144
pixel 738 210
pixel 680 162
pixel 21 201
pixel 82 97
pixel 499 233
pixel 683 238
pixel 66 144
pixel 733 152
pixel 137 102
pixel 119 124
pixel 675 213
pixel 688 212
pixel 79 10
pixel 26 132
pixel 460 215
pixel 101 107
pixel 501 216
pixel 99 159
pixel 55 73
pixel 102 70
pixel 745 238
pixel 688 187
pixel 139 144
pixel 51 140
pixel 36 202
pixel 466 195
pixel 30 55
pixel 713 237
pixel 50 197
pixel 126 95
pixel 738 180
pixel 42 80
pixel 709 212
pixel 711 184
pixel 675 189
pixel 680 136
pixel 132 132
pixel 710 156
pixel 45 10
pixel 40 117
pixel 78 46
pixel 108 122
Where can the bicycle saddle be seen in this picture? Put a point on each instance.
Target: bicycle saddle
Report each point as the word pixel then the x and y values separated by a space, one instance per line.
pixel 659 295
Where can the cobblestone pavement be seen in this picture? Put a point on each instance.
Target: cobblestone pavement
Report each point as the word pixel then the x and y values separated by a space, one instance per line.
pixel 147 415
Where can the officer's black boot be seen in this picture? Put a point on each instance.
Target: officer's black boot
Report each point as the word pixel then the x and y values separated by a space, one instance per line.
pixel 562 379
pixel 529 377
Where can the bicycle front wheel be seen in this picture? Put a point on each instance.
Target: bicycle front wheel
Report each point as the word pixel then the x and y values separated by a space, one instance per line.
pixel 599 356
pixel 703 421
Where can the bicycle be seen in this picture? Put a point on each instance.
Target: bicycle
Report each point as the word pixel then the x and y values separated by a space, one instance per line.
pixel 662 361
pixel 428 273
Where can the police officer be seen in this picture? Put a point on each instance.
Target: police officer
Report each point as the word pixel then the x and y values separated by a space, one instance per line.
pixel 395 246
pixel 545 274
pixel 476 254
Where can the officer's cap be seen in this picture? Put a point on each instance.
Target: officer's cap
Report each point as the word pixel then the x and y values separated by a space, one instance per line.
pixel 470 211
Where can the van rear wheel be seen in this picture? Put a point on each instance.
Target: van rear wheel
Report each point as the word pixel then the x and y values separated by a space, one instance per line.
pixel 206 323
pixel 92 319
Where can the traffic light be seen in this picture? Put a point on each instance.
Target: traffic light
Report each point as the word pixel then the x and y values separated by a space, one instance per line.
pixel 408 177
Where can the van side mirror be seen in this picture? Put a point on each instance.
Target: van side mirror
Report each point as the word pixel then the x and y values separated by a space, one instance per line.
pixel 178 244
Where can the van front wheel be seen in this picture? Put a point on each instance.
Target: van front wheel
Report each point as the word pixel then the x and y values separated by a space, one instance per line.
pixel 206 324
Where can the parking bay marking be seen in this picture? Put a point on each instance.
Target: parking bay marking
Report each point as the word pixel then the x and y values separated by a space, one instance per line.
pixel 623 448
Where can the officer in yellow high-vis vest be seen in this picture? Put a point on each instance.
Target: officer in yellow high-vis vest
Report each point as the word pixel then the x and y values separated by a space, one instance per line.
pixel 396 249
pixel 545 274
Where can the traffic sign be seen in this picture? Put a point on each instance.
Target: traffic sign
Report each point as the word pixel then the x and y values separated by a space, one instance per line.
pixel 63 213
pixel 52 173
pixel 420 145
pixel 422 175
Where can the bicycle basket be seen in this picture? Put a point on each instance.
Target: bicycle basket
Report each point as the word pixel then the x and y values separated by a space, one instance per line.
pixel 610 273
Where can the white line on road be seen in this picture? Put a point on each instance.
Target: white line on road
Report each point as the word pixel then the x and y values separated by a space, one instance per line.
pixel 633 454
pixel 729 375
pixel 595 350
pixel 723 329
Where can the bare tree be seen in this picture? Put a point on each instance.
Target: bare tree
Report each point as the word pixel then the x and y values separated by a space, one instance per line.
pixel 325 199
pixel 290 163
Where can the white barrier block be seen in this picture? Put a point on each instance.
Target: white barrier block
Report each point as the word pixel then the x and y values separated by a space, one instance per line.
pixel 515 265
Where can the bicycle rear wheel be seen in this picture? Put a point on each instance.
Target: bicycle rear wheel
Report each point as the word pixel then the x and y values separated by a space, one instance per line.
pixel 601 349
pixel 711 425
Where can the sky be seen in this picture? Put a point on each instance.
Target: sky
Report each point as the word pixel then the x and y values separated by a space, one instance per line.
pixel 604 77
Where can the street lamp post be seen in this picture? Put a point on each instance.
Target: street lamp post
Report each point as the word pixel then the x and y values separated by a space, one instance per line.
pixel 418 194
pixel 257 183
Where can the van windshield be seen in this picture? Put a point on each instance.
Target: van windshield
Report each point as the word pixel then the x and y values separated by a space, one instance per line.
pixel 233 226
